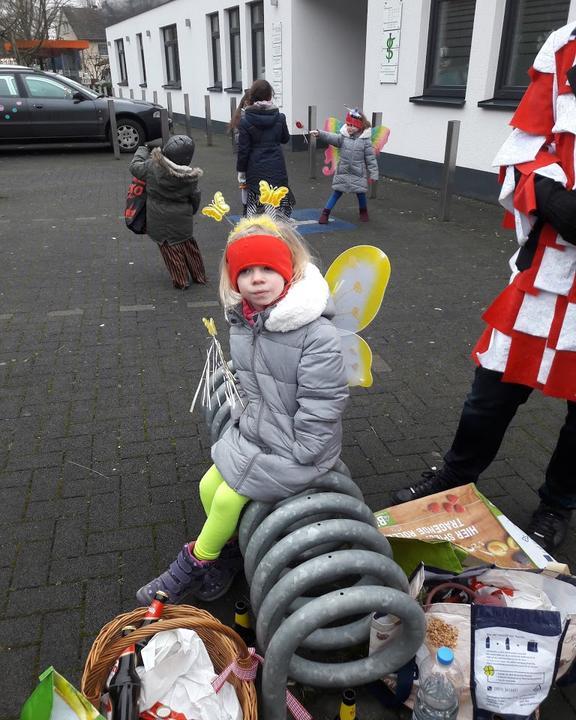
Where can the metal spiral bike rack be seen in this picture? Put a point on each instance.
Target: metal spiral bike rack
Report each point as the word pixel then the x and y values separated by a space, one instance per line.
pixel 334 541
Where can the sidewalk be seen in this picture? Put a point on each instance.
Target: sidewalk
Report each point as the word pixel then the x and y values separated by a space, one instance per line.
pixel 100 357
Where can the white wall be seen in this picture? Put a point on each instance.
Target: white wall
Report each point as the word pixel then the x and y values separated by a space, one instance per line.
pixel 195 52
pixel 419 131
pixel 328 49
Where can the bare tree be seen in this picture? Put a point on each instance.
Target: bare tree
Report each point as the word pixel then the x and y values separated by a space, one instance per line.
pixel 28 20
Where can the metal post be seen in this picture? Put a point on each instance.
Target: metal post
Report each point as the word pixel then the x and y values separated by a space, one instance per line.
pixel 187 115
pixel 312 124
pixel 155 97
pixel 169 105
pixel 449 170
pixel 120 93
pixel 131 94
pixel 233 106
pixel 143 93
pixel 208 116
pixel 376 121
pixel 113 128
pixel 164 125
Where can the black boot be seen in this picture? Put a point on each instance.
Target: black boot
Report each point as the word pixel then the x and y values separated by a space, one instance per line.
pixel 431 482
pixel 549 525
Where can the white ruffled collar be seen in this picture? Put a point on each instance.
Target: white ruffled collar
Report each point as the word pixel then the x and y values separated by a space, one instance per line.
pixel 304 302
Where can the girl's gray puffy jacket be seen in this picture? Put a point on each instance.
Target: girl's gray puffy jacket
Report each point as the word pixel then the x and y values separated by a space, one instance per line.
pixel 357 160
pixel 172 195
pixel 292 382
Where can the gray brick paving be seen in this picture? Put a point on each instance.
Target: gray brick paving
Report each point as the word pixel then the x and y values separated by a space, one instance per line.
pixel 99 358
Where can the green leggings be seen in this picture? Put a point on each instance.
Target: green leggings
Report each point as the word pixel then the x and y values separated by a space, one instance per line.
pixel 222 506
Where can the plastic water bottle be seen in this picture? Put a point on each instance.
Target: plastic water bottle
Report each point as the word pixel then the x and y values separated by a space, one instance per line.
pixel 437 697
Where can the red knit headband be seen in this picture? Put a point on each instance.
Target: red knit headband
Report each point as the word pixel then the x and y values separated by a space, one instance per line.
pixel 266 250
pixel 356 121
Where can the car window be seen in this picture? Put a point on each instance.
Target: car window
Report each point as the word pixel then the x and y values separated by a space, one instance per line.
pixel 43 87
pixel 8 87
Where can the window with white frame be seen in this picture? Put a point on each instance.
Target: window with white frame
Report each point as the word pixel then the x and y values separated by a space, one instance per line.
pixel 527 24
pixel 141 58
pixel 121 56
pixel 171 58
pixel 449 42
pixel 214 29
pixel 235 54
pixel 257 28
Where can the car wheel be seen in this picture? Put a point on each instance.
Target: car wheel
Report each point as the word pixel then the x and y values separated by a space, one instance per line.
pixel 130 134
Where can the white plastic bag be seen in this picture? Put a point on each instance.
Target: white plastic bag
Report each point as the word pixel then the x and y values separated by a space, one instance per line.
pixel 178 673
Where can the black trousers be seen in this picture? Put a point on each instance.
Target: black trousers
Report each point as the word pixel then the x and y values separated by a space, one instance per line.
pixel 487 412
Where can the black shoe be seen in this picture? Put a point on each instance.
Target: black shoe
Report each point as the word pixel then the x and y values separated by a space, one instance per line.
pixel 548 526
pixel 431 483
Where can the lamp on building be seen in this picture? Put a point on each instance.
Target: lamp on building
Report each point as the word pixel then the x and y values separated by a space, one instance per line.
pixel 147 33
pixel 187 22
pixel 127 38
pixel 274 2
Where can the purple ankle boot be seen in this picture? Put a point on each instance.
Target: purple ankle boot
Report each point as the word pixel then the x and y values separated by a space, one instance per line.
pixel 184 576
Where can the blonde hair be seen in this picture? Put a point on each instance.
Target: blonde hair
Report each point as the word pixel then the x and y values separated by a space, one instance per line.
pixel 263 225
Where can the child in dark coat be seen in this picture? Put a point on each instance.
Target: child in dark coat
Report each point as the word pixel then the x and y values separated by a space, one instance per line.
pixel 261 133
pixel 172 200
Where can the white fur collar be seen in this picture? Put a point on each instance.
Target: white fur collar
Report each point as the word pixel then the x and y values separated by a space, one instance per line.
pixel 173 168
pixel 364 134
pixel 304 302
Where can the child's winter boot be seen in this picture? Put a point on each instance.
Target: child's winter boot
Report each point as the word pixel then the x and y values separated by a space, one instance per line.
pixel 364 215
pixel 324 215
pixel 184 576
pixel 220 576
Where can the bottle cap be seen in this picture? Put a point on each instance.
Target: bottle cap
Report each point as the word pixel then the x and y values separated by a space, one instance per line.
pixel 445 656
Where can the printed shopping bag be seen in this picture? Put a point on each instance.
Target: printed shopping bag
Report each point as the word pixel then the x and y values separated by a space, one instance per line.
pixel 135 212
pixel 56 699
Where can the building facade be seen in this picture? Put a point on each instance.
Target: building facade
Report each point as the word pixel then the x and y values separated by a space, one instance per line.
pixel 420 63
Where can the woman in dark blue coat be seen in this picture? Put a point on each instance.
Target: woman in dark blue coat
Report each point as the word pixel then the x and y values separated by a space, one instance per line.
pixel 261 133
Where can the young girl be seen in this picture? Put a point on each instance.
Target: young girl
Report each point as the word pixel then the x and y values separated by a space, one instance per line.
pixel 357 163
pixel 291 379
pixel 261 133
pixel 172 200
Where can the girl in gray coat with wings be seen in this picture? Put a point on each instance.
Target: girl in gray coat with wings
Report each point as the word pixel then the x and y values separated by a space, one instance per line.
pixel 287 426
pixel 357 165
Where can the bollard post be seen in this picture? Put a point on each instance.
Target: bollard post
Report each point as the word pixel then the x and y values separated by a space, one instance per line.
pixel 131 94
pixel 169 105
pixel 187 115
pixel 164 125
pixel 155 97
pixel 312 123
pixel 376 121
pixel 208 120
pixel 449 170
pixel 143 93
pixel 113 128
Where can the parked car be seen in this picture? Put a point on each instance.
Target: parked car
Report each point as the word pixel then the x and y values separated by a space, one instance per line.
pixel 37 106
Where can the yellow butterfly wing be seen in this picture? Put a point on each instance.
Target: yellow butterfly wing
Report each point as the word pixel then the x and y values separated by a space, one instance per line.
pixel 212 212
pixel 357 359
pixel 220 203
pixel 357 280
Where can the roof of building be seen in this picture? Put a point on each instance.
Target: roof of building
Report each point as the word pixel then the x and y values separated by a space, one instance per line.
pixel 86 23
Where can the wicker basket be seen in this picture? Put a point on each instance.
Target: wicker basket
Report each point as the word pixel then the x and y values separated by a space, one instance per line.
pixel 222 643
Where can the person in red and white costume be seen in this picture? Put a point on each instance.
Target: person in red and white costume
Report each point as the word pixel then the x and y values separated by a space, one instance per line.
pixel 530 339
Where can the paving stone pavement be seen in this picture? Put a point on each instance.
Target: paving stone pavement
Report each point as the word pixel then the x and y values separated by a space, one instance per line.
pixel 99 358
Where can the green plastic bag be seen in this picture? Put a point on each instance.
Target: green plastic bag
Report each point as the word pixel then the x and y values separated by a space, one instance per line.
pixel 56 699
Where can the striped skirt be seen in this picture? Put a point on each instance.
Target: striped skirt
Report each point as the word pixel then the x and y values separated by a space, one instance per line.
pixel 183 261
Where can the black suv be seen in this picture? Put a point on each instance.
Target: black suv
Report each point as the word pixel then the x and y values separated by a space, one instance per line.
pixel 39 107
